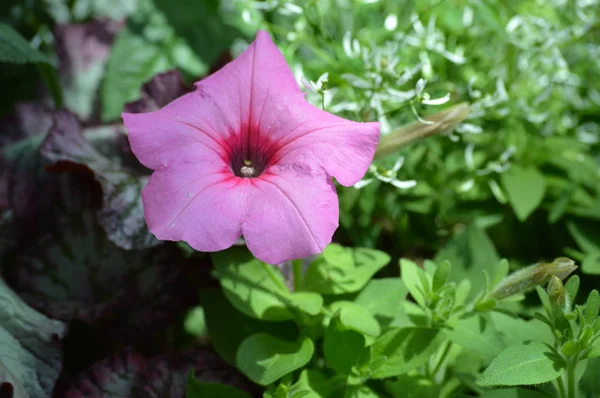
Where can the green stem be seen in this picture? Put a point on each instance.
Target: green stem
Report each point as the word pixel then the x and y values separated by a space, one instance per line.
pixel 442 358
pixel 561 387
pixel 571 387
pixel 297 271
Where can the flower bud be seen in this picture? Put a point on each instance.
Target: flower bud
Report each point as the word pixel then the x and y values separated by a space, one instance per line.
pixel 538 274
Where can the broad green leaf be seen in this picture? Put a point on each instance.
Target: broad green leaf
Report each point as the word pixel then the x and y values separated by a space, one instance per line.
pixel 525 188
pixel 477 334
pixel 347 273
pixel 342 347
pixel 355 317
pixel 253 287
pixel 404 350
pixel 524 364
pixel 514 393
pixel 198 389
pixel 413 386
pixel 201 25
pixel 314 383
pixel 265 359
pixel 30 348
pixel 382 298
pixel 409 273
pixel 516 331
pixel 15 49
pixel 227 327
pixel 133 60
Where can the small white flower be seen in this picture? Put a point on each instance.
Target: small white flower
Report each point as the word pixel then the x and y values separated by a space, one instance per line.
pixel 391 22
pixel 388 176
pixel 435 101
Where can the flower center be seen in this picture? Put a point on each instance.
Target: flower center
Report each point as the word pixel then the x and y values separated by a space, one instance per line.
pixel 249 154
pixel 247 170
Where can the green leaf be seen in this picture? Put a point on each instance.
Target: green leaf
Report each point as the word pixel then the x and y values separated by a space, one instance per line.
pixel 30 349
pixel 227 327
pixel 591 264
pixel 525 188
pixel 382 298
pixel 15 49
pixel 265 359
pixel 586 235
pixel 361 391
pixel 314 383
pixel 355 317
pixel 259 289
pixel 405 349
pixel 412 277
pixel 592 306
pixel 132 61
pixel 513 393
pixel 413 386
pixel 200 24
pixel 525 364
pixel 470 252
pixel 572 287
pixel 440 277
pixel 515 331
pixel 478 334
pixel 349 271
pixel 342 347
pixel 253 287
pixel 198 389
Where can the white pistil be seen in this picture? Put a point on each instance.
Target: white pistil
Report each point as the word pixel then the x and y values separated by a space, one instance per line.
pixel 247 171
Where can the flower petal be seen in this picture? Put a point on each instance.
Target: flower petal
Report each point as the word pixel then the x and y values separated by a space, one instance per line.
pixel 311 136
pixel 292 214
pixel 204 208
pixel 159 141
pixel 250 87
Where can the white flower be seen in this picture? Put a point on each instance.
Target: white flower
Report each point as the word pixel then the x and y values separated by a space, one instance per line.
pixel 387 176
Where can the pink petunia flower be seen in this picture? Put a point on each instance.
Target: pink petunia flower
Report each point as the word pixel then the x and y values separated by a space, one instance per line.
pixel 246 155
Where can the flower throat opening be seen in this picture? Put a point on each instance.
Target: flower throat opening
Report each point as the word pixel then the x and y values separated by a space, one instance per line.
pixel 249 161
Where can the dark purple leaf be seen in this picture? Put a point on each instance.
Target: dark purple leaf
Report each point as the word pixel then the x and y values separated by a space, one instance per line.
pixel 69 270
pixel 130 375
pixel 112 377
pixel 122 214
pixel 158 92
pixel 83 51
pixel 30 351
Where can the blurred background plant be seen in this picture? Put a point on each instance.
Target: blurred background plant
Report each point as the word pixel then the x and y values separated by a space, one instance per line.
pixel 490 145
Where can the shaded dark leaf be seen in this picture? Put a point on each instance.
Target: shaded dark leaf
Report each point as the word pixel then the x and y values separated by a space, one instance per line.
pixel 122 214
pixel 111 377
pixel 30 350
pixel 83 51
pixel 158 92
pixel 128 374
pixel 71 271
